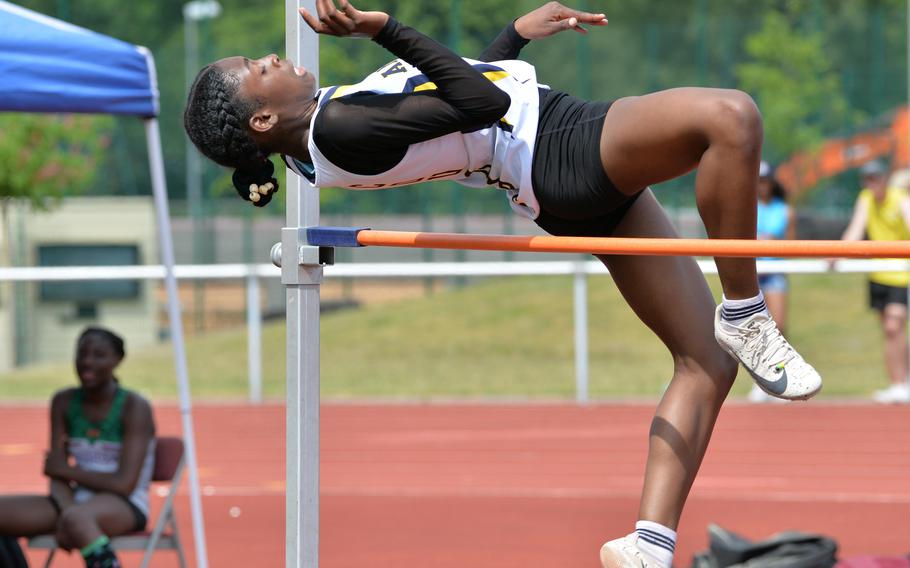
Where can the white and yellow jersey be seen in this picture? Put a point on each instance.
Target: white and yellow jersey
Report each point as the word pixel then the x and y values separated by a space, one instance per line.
pixel 499 155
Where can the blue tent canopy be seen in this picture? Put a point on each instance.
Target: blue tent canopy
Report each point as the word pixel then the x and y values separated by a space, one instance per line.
pixel 47 65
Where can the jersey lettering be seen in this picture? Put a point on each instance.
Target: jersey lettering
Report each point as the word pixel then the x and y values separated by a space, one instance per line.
pixel 436 176
pixel 396 67
pixel 445 174
pixel 485 170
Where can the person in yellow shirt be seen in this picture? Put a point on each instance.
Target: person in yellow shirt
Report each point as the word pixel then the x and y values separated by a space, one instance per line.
pixel 882 212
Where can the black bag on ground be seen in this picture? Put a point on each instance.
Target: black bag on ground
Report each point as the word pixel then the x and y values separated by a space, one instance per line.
pixel 11 554
pixel 783 550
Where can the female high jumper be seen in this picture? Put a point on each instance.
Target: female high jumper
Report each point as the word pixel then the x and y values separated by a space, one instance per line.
pixel 574 167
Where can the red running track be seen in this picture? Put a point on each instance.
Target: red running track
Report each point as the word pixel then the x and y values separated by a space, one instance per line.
pixel 446 486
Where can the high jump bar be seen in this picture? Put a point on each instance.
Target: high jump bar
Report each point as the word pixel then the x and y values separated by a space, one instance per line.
pixel 359 236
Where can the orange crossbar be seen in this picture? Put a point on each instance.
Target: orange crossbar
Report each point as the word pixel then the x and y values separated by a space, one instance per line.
pixel 638 246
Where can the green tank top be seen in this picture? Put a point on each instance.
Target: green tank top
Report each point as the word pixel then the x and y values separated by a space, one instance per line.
pixel 96 446
pixel 109 429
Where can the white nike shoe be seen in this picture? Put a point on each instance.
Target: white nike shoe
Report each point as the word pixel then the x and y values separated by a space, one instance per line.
pixel 895 394
pixel 774 365
pixel 624 553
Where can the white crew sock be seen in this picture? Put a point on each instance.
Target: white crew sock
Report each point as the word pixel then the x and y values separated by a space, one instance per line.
pixel 657 541
pixel 737 311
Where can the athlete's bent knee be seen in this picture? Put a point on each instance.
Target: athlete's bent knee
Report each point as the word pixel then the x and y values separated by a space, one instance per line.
pixel 736 120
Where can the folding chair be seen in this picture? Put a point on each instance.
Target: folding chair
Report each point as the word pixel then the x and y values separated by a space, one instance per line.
pixel 169 463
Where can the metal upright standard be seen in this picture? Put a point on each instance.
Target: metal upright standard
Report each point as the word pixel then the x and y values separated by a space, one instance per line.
pixel 301 273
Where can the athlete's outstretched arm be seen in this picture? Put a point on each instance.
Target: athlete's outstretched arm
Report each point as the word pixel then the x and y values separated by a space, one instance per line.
pixel 369 133
pixel 549 19
pixel 507 45
pixel 457 82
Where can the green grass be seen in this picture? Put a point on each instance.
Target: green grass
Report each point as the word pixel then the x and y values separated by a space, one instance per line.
pixel 505 338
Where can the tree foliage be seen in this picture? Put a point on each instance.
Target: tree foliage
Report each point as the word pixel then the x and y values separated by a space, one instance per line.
pixel 815 66
pixel 797 89
pixel 43 157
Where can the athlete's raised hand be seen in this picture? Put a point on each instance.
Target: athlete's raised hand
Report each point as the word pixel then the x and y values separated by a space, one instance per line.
pixel 552 18
pixel 344 20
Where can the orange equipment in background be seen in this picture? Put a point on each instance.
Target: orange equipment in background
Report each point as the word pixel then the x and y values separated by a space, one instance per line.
pixel 805 170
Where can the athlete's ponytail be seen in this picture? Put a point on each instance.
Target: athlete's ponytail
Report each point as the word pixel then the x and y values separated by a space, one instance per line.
pixel 257 184
pixel 215 120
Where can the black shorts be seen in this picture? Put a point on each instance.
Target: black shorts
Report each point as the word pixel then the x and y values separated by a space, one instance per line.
pixel 880 295
pixel 140 517
pixel 575 194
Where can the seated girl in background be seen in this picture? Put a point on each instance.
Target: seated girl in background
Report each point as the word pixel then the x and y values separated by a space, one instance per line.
pixel 99 464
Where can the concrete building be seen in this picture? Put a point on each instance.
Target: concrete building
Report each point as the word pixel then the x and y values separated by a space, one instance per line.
pixel 39 322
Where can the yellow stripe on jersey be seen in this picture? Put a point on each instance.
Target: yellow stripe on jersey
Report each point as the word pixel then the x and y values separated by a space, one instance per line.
pixel 341 90
pixel 428 86
pixel 495 75
pixel 431 86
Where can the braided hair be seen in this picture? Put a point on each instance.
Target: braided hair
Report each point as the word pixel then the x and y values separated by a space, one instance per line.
pixel 216 119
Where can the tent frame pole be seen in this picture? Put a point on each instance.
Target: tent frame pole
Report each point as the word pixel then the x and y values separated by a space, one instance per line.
pixel 166 244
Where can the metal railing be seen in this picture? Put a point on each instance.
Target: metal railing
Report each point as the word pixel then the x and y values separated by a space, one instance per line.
pixel 252 274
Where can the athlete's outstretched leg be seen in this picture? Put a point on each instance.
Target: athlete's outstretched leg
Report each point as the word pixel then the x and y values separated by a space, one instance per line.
pixel 663 135
pixel 670 295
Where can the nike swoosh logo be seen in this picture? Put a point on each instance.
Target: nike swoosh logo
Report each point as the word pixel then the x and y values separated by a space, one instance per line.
pixel 778 386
